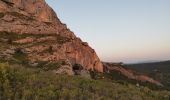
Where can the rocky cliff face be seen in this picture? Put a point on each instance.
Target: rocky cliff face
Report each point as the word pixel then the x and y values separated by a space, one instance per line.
pixel 30 33
pixel 30 16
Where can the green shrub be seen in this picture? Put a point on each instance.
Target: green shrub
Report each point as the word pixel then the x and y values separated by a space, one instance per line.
pixel 21 57
pixel 20 83
pixel 15 36
pixel 49 65
pixel 50 49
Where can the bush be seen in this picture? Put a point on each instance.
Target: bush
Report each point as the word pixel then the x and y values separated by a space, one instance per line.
pixel 9 41
pixel 20 83
pixel 19 51
pixel 20 57
pixel 50 49
pixel 49 65
pixel 2 15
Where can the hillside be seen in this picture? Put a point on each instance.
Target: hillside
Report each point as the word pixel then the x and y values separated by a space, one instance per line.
pixel 24 83
pixel 158 70
pixel 41 59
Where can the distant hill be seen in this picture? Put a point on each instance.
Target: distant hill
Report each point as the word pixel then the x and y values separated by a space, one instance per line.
pixel 122 74
pixel 157 70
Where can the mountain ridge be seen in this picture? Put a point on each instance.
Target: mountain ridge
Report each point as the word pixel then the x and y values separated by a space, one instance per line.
pixel 158 70
pixel 131 74
pixel 32 34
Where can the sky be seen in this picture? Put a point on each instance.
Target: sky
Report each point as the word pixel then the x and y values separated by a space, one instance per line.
pixel 128 31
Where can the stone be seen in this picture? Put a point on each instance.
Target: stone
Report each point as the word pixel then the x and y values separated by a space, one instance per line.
pixel 83 73
pixel 35 17
pixel 65 69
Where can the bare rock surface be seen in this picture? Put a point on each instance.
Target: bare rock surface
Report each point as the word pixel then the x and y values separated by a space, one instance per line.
pixel 31 25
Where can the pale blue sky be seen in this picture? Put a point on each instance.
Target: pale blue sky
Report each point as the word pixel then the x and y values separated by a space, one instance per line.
pixel 120 30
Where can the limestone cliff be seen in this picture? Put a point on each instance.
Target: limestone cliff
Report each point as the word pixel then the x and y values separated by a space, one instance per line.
pixel 33 28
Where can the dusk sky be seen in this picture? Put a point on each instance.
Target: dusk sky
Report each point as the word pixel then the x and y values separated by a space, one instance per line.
pixel 127 31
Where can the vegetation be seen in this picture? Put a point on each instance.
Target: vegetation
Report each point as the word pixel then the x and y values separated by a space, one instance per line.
pixel 20 57
pixel 2 15
pixel 16 14
pixel 22 80
pixel 50 50
pixel 10 36
pixel 21 83
pixel 20 16
pixel 121 79
pixel 158 70
pixel 15 36
pixel 46 66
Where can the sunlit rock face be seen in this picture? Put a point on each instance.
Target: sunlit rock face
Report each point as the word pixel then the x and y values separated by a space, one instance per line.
pixel 36 8
pixel 38 16
pixel 38 29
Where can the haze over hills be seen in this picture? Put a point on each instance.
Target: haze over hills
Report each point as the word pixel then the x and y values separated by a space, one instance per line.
pixel 40 58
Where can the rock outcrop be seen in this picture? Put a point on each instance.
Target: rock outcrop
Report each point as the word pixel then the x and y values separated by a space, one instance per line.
pixel 31 25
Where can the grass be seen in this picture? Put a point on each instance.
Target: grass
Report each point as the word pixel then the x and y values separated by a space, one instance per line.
pixel 49 66
pixel 20 83
pixel 20 57
pixel 15 36
pixel 121 79
pixel 158 70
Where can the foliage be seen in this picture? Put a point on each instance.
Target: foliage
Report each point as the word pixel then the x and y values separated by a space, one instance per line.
pixel 49 65
pixel 20 56
pixel 10 36
pixel 121 79
pixel 1 15
pixel 20 83
pixel 158 70
pixel 50 49
pixel 15 36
